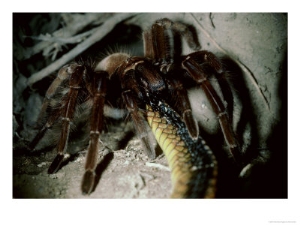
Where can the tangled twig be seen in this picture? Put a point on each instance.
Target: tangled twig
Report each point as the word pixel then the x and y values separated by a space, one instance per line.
pixel 98 34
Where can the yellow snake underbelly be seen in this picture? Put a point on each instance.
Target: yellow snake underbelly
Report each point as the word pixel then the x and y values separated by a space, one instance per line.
pixel 192 163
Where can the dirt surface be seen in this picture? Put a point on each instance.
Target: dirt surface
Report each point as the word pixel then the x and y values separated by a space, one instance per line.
pixel 254 51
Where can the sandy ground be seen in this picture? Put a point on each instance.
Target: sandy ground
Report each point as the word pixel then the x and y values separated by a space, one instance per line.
pixel 254 48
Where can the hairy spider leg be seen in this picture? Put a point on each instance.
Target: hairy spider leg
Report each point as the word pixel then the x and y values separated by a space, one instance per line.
pixel 97 89
pixel 148 44
pixel 51 120
pixel 162 37
pixel 159 44
pixel 183 29
pixel 162 44
pixel 138 77
pixel 130 99
pixel 62 75
pixel 67 113
pixel 193 67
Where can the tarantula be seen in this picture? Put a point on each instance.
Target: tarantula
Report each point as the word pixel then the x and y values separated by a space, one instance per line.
pixel 153 88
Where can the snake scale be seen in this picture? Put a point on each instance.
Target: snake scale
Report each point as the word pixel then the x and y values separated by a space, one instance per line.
pixel 192 163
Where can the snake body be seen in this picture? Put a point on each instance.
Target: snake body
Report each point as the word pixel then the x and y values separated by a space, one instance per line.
pixel 192 163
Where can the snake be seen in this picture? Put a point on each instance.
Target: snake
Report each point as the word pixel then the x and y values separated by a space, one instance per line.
pixel 192 163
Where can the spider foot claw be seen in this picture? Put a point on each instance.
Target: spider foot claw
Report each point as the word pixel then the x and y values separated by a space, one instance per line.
pixel 150 151
pixel 55 165
pixel 246 171
pixel 191 124
pixel 88 182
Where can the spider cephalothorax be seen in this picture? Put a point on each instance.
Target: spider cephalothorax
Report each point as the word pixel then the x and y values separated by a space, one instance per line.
pixel 152 88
